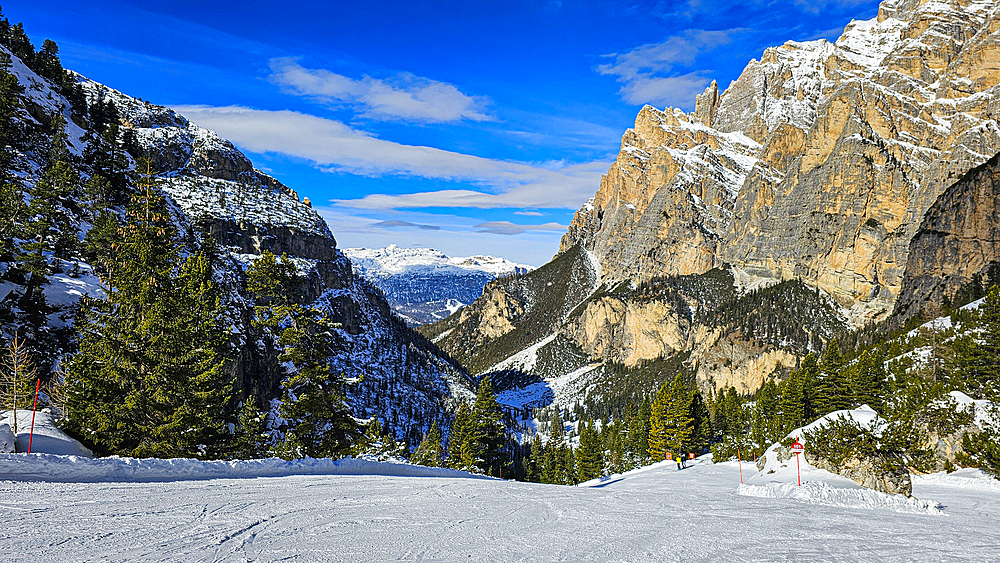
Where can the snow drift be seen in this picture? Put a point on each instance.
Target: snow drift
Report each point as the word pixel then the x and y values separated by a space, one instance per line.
pixel 76 469
pixel 821 492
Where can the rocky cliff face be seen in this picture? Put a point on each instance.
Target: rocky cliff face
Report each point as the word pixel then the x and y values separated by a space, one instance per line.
pixel 958 238
pixel 818 162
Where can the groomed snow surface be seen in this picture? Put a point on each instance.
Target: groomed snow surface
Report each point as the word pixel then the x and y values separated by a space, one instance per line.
pixel 366 511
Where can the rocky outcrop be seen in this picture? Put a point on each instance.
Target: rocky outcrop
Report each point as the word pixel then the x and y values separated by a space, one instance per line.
pixel 725 360
pixel 817 163
pixel 958 238
pixel 869 473
pixel 629 332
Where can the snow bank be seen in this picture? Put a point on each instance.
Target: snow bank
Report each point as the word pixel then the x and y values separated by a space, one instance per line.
pixel 48 439
pixel 76 469
pixel 818 492
pixel 974 479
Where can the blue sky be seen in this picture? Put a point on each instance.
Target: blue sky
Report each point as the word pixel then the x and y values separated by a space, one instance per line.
pixel 471 127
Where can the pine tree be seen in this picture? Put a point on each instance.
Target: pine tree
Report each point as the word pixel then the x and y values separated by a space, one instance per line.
pixel 378 443
pixel 867 378
pixel 590 454
pixel 456 438
pixel 638 436
pixel 833 390
pixel 313 398
pixel 47 63
pixel 797 394
pixel 701 433
pixel 533 465
pixel 982 366
pixel 151 377
pixel 485 433
pixel 555 461
pixel 251 437
pixel 766 426
pixel 429 451
pixel 679 421
pixel 659 439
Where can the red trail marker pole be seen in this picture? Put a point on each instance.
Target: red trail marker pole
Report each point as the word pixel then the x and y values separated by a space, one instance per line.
pixel 798 448
pixel 38 384
pixel 739 463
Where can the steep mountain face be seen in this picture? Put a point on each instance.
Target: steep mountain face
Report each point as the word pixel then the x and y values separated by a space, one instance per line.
pixel 959 237
pixel 422 285
pixel 814 169
pixel 818 162
pixel 217 196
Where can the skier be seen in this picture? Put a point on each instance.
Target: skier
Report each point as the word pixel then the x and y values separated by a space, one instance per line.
pixel 680 463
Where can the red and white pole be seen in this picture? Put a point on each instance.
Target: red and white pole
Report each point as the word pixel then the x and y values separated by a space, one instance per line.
pixel 739 463
pixel 798 473
pixel 798 448
pixel 38 385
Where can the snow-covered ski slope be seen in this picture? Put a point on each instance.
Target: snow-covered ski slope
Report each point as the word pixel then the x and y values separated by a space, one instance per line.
pixel 653 514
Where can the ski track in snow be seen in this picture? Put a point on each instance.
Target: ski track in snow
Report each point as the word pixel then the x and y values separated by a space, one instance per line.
pixel 654 514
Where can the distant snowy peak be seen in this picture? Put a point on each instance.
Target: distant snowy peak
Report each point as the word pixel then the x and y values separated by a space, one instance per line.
pixel 424 285
pixel 395 260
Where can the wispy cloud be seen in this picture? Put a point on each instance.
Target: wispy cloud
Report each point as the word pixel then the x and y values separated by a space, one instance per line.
pixel 397 223
pixel 820 6
pixel 404 97
pixel 508 228
pixel 530 213
pixel 334 146
pixel 649 73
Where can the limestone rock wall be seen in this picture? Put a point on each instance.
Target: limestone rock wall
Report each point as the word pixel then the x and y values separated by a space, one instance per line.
pixel 818 162
pixel 958 238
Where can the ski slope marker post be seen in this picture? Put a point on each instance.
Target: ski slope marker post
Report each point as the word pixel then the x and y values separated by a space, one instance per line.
pixel 798 448
pixel 38 385
pixel 739 463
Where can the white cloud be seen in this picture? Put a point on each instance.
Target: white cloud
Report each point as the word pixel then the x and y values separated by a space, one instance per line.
pixel 648 72
pixel 508 228
pixel 405 97
pixel 531 213
pixel 338 147
pixel 820 6
pixel 397 223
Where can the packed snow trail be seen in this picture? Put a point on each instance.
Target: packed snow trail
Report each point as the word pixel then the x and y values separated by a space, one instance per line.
pixel 657 514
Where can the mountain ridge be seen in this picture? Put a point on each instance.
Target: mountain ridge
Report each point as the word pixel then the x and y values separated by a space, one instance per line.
pixel 814 167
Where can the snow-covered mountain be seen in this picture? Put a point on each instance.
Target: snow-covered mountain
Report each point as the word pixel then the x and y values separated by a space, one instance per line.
pixel 424 285
pixel 217 200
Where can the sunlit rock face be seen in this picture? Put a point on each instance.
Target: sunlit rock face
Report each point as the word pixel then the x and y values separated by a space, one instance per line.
pixel 818 162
